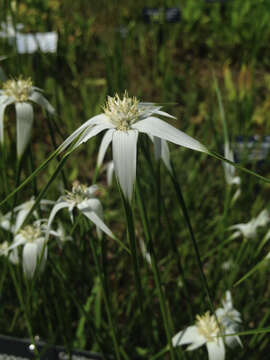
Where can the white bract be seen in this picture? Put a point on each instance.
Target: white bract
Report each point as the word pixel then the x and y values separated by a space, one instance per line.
pixel 19 214
pixel 84 199
pixel 109 172
pixel 32 238
pixel 144 251
pixel 230 319
pixel 207 331
pixel 60 235
pixel 124 119
pixel 249 229
pixel 22 93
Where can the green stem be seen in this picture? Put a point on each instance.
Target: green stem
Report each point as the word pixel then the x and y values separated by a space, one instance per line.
pixel 161 296
pixel 106 299
pixel 45 188
pixel 31 161
pixel 3 161
pixel 182 204
pixel 55 147
pixel 178 260
pixel 222 158
pixel 132 241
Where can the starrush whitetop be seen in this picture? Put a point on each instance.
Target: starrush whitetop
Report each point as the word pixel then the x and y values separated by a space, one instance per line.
pixel 22 93
pixel 84 198
pixel 214 331
pixel 205 331
pixel 124 118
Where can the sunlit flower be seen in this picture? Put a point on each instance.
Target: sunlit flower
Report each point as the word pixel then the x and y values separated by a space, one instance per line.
pixel 205 332
pixel 249 229
pixel 84 199
pixel 230 319
pixel 22 93
pixel 124 119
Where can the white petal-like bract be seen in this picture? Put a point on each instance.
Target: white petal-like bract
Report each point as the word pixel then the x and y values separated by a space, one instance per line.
pixel 216 350
pixel 24 119
pixel 163 130
pixel 125 158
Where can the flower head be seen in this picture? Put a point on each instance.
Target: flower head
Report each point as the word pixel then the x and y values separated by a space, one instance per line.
pixel 84 199
pixel 124 118
pixel 22 93
pixel 80 192
pixel 207 330
pixel 19 89
pixel 122 113
pixel 207 326
pixel 32 238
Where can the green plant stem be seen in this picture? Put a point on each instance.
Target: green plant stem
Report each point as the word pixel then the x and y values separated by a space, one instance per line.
pixel 55 147
pixel 46 188
pixel 161 296
pixel 31 162
pixel 3 161
pixel 18 175
pixel 182 204
pixel 30 177
pixel 158 194
pixel 106 299
pixel 222 158
pixel 132 241
pixel 178 260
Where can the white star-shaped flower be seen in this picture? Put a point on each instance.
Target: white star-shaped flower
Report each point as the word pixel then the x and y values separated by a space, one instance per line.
pixel 84 199
pixel 124 119
pixel 205 332
pixel 22 93
pixel 34 242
